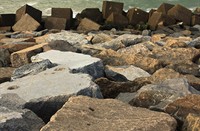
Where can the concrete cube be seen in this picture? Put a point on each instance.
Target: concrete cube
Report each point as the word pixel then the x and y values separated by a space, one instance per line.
pixel 57 23
pixel 181 14
pixel 109 7
pixel 7 20
pixel 26 23
pixel 27 9
pixel 195 20
pixel 117 19
pixel 164 8
pixel 135 16
pixel 93 14
pixel 88 25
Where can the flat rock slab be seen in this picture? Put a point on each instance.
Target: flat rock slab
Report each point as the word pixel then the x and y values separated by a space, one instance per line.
pixel 129 72
pixel 74 61
pixel 87 114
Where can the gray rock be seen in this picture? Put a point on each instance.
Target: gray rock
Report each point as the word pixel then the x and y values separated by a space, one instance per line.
pixel 74 61
pixel 125 97
pixel 157 97
pixel 88 114
pixel 31 69
pixel 19 121
pixel 124 73
pixel 48 90
pixel 194 43
pixel 72 38
pixel 4 57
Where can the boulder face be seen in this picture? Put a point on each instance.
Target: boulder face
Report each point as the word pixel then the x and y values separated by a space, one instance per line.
pixel 88 25
pixel 74 61
pixel 84 113
pixel 157 97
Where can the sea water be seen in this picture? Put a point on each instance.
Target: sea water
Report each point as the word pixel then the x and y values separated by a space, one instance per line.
pixel 10 6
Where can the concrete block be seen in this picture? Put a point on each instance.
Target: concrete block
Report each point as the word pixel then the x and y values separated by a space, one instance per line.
pixel 57 23
pixel 117 19
pixel 88 25
pixel 164 8
pixel 7 20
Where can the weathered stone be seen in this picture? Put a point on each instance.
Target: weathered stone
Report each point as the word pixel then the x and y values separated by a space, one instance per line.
pixel 159 96
pixel 17 46
pixel 164 8
pixel 88 25
pixel 24 24
pixel 5 74
pixel 110 7
pixel 179 12
pixel 192 122
pixel 126 97
pixel 117 19
pixel 128 72
pixel 31 69
pixel 22 57
pixel 7 20
pixel 136 16
pixel 23 120
pixel 93 14
pixel 195 20
pixel 107 115
pixel 74 61
pixel 70 37
pixel 56 23
pixel 31 11
pixel 100 38
pixel 16 41
pixel 194 43
pixel 4 57
pixel 183 106
pixel 50 89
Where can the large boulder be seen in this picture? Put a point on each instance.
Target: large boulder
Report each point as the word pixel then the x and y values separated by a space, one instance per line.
pixel 47 91
pixel 159 96
pixel 127 72
pixel 84 113
pixel 74 61
pixel 179 12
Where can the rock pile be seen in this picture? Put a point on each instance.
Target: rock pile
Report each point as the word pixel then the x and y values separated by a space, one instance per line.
pixel 56 80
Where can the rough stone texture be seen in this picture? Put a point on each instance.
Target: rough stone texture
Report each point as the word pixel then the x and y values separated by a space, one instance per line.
pixel 194 43
pixel 4 57
pixel 31 69
pixel 88 25
pixel 93 14
pixel 179 12
pixel 100 38
pixel 192 122
pixel 83 113
pixel 25 120
pixel 136 16
pixel 126 97
pixel 161 95
pixel 109 7
pixel 5 74
pixel 33 12
pixel 117 20
pixel 72 38
pixel 74 61
pixel 47 91
pixel 16 41
pixel 56 23
pixel 111 89
pixel 22 57
pixel 183 106
pixel 26 23
pixel 164 8
pixel 129 72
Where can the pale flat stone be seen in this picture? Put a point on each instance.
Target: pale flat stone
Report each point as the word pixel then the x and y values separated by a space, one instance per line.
pixel 74 61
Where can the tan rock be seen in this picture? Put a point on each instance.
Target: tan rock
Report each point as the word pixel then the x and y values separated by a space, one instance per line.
pixel 179 13
pixel 88 25
pixel 26 23
pixel 22 57
pixel 192 122
pixel 136 16
pixel 87 114
pixel 110 7
pixel 157 37
pixel 5 74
